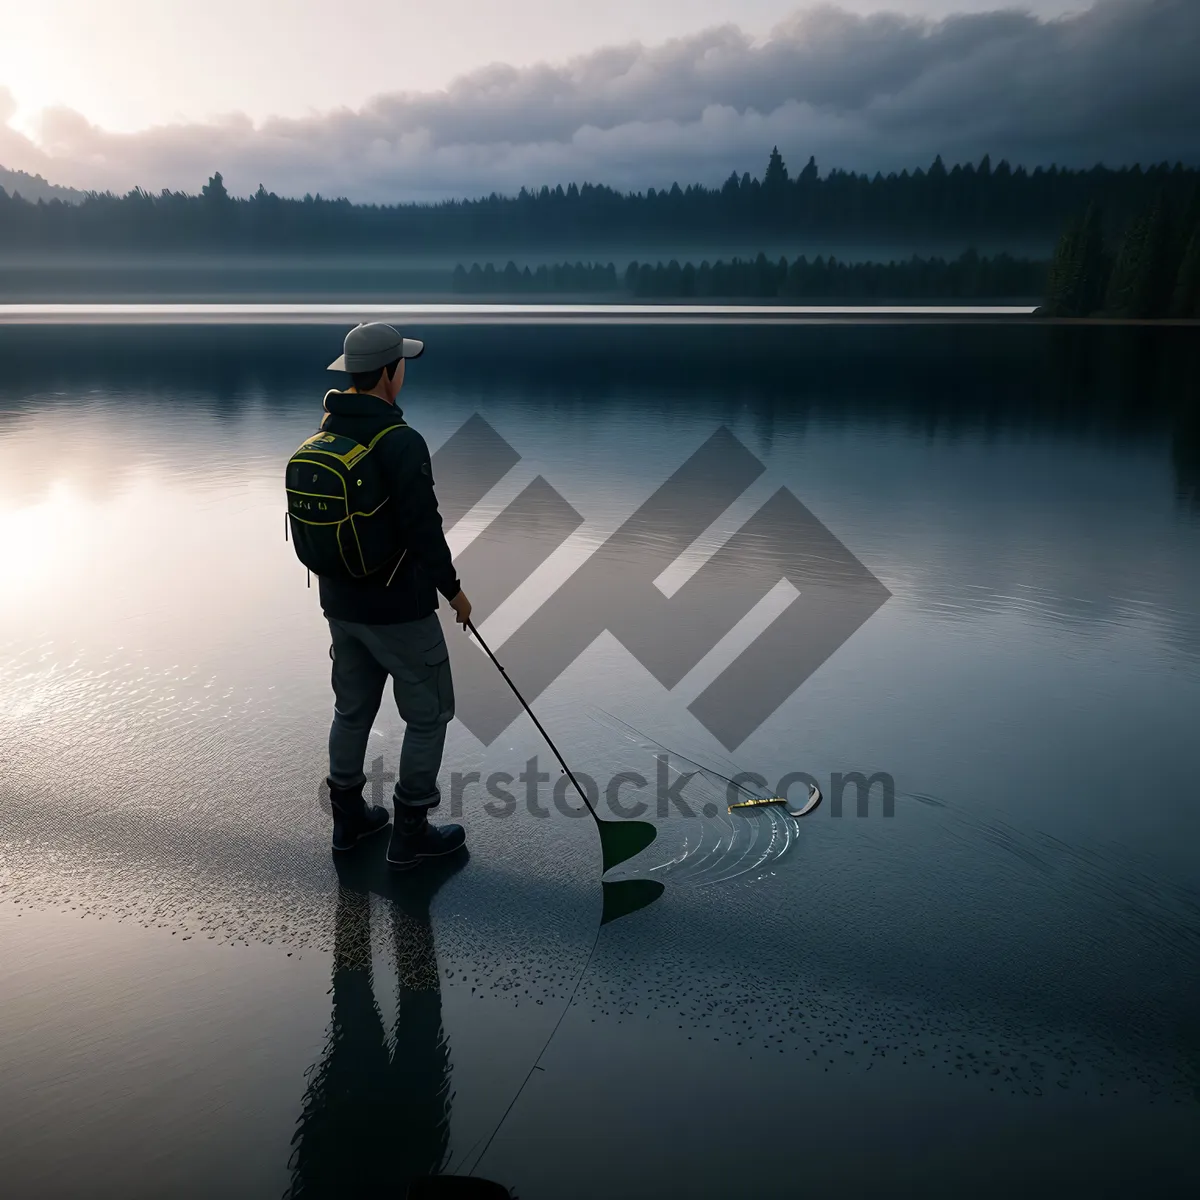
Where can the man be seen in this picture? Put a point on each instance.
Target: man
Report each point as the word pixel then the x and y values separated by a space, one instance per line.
pixel 387 624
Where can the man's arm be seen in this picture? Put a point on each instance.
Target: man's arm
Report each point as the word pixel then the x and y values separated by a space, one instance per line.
pixel 418 516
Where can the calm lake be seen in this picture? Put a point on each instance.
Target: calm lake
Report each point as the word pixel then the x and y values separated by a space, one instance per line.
pixel 961 562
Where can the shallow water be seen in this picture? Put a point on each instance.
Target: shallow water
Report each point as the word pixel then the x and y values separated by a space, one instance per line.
pixel 966 559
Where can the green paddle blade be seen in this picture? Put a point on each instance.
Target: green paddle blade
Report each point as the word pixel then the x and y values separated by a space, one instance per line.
pixel 627 896
pixel 621 840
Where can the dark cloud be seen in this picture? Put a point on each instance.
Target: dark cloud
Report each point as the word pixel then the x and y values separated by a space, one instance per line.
pixel 1116 83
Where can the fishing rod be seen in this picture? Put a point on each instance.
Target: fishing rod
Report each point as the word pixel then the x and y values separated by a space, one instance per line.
pixel 540 729
pixel 619 840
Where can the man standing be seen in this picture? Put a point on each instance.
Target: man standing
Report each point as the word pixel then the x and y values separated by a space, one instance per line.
pixel 386 624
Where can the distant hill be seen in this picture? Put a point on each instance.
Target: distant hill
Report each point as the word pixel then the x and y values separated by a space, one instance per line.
pixel 34 187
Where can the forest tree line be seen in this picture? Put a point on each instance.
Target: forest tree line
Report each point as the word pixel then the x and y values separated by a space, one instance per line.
pixel 969 201
pixel 1151 271
pixel 968 277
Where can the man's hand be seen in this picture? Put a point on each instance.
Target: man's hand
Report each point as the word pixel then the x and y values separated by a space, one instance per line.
pixel 462 608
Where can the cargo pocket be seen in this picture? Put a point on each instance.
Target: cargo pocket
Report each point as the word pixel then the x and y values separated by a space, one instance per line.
pixel 436 657
pixel 444 685
pixel 419 662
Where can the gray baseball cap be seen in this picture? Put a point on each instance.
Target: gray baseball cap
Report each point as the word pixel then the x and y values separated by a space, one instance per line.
pixel 368 347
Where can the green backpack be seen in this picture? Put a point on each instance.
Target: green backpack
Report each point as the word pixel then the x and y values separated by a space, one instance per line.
pixel 338 507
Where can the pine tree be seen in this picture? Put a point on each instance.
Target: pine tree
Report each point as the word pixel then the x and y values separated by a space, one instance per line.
pixel 1185 302
pixel 1092 272
pixel 1076 282
pixel 1122 289
pixel 1185 292
pixel 776 177
pixel 775 191
pixel 1064 269
pixel 214 190
pixel 1155 277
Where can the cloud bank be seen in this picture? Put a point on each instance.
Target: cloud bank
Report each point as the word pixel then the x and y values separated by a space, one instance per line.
pixel 1116 83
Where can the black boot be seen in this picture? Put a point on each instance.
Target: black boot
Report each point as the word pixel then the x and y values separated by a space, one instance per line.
pixel 413 838
pixel 353 818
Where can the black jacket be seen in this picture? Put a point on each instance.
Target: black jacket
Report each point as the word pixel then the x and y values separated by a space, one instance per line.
pixel 426 568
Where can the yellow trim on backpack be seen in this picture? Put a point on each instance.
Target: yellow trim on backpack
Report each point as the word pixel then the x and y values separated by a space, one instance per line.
pixel 351 456
pixel 314 495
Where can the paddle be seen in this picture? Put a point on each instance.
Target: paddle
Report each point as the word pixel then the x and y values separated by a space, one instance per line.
pixel 619 840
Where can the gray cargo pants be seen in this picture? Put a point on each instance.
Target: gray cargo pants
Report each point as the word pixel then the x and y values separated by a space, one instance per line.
pixel 415 655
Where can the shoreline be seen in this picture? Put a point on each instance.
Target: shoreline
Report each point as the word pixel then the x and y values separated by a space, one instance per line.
pixel 550 314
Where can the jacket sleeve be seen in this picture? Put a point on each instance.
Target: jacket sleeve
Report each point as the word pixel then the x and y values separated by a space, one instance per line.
pixel 417 509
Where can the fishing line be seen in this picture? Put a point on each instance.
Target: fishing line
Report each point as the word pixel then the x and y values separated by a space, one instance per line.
pixel 699 766
pixel 754 800
pixel 537 1061
pixel 619 841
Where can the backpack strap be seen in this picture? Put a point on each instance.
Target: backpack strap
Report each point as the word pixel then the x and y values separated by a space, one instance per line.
pixel 352 456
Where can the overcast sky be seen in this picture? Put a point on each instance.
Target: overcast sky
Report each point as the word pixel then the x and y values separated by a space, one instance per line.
pixel 390 99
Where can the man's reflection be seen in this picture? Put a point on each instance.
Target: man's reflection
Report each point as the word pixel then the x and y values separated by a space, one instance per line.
pixel 376 1115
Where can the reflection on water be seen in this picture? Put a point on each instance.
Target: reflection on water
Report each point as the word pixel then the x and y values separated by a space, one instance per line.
pixel 377 1108
pixel 1030 501
pixel 1120 387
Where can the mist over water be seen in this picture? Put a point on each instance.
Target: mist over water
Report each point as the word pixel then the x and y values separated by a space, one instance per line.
pixel 73 277
pixel 1011 959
